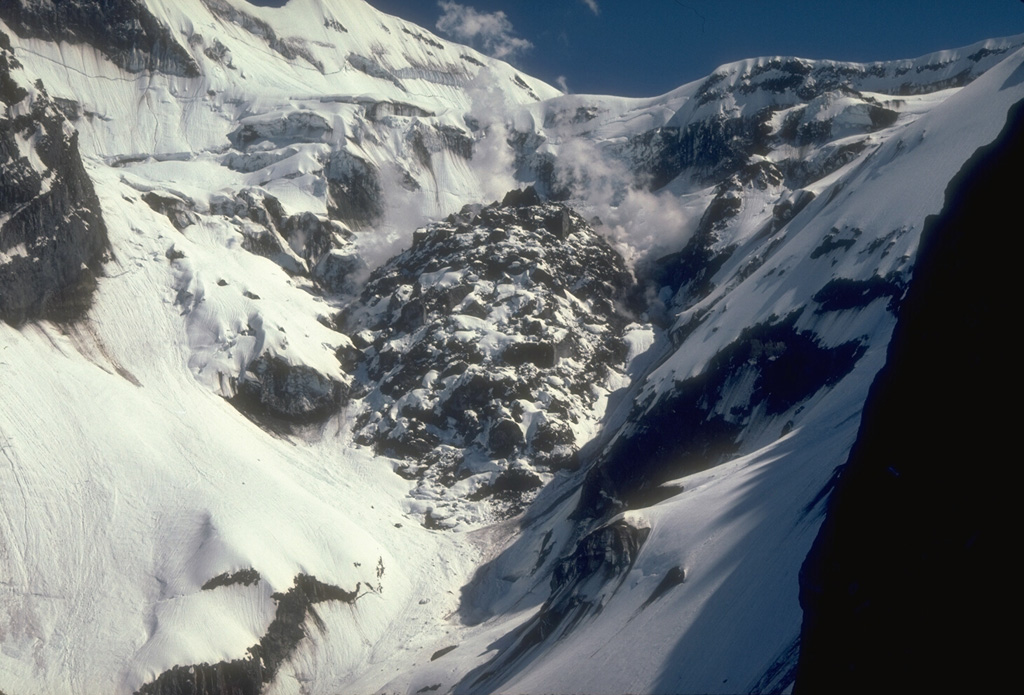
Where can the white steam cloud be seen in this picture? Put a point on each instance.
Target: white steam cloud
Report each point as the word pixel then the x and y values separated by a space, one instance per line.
pixel 404 211
pixel 493 165
pixel 592 4
pixel 492 32
pixel 640 224
pixel 493 159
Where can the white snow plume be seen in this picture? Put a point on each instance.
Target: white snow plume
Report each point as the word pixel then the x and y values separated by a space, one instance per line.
pixel 405 211
pixel 493 155
pixel 491 31
pixel 562 84
pixel 493 159
pixel 646 225
pixel 492 166
pixel 592 6
pixel 584 168
pixel 639 223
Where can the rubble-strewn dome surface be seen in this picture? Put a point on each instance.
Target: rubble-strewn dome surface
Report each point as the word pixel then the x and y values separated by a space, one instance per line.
pixel 490 347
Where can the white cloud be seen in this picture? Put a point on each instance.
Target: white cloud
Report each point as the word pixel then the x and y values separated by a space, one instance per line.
pixel 492 32
pixel 592 4
pixel 493 159
pixel 562 84
pixel 640 224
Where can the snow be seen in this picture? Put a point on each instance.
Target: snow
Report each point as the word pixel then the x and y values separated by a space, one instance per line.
pixel 127 481
pixel 167 487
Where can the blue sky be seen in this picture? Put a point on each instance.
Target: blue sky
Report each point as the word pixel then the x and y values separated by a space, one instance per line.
pixel 649 47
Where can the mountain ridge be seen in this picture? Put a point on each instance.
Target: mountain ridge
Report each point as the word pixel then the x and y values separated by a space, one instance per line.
pixel 257 346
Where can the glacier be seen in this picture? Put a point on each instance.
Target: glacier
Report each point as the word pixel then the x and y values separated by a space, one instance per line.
pixel 276 337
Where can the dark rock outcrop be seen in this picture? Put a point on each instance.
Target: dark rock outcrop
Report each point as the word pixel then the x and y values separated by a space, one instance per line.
pixel 302 244
pixel 52 236
pixel 273 387
pixel 123 30
pixel 244 577
pixel 909 570
pixel 356 197
pixel 176 210
pixel 248 676
pixel 580 584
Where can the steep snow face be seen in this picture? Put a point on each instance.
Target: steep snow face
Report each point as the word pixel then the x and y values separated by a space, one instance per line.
pixel 715 481
pixel 275 132
pixel 769 214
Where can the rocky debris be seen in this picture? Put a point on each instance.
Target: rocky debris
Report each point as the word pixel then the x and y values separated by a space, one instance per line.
pixel 123 30
pixel 52 236
pixel 488 345
pixel 274 387
pixel 248 676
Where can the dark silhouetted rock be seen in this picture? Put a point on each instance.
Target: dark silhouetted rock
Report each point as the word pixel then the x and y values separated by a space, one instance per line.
pixel 910 567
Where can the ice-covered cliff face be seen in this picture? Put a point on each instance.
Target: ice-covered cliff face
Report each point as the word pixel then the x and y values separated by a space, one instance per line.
pixel 279 444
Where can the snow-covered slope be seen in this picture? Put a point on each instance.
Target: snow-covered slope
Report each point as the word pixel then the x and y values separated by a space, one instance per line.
pixel 683 580
pixel 201 398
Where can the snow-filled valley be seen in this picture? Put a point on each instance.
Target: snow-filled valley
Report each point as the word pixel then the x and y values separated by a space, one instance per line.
pixel 338 357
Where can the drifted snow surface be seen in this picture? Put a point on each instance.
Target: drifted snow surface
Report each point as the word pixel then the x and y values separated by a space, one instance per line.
pixel 128 482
